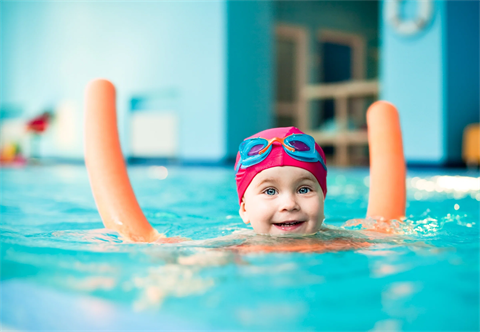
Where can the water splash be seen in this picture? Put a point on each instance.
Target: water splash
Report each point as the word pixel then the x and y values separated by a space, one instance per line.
pixel 425 225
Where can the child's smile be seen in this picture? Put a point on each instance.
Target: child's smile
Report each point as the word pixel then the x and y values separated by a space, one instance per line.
pixel 282 201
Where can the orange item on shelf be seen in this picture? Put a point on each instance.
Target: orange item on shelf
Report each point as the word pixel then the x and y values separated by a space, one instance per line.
pixel 471 144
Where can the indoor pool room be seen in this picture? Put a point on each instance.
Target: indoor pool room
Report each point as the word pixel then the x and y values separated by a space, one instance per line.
pixel 240 165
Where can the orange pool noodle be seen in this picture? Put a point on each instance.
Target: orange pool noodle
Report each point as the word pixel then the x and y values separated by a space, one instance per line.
pixel 113 193
pixel 387 197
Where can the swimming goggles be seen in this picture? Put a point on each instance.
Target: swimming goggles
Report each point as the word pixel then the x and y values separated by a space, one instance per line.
pixel 298 146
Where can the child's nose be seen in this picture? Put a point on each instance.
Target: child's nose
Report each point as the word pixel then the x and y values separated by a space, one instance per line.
pixel 289 202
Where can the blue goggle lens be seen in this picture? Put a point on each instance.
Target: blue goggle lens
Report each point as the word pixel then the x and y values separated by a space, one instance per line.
pixel 255 149
pixel 299 146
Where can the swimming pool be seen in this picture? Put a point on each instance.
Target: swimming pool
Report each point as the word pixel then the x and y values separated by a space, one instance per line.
pixel 60 270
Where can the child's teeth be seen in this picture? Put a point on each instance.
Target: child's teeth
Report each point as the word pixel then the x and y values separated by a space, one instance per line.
pixel 289 223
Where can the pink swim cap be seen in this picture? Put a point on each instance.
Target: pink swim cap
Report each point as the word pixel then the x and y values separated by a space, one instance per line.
pixel 278 157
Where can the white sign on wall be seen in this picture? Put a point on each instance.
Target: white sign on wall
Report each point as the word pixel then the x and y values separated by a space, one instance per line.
pixel 154 134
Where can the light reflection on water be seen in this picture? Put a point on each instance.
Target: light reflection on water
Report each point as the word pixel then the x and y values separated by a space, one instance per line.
pixel 54 247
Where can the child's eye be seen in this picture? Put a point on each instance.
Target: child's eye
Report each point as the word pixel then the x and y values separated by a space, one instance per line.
pixel 270 191
pixel 304 190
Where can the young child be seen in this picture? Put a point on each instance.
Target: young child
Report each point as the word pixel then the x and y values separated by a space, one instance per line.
pixel 281 182
pixel 280 174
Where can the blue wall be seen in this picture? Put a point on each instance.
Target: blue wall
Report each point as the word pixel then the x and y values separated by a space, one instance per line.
pixel 250 70
pixel 50 50
pixel 432 77
pixel 412 79
pixel 462 73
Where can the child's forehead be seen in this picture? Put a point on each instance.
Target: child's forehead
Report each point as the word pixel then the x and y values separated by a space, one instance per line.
pixel 280 173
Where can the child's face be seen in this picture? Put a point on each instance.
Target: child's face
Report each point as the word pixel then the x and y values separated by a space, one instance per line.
pixel 282 201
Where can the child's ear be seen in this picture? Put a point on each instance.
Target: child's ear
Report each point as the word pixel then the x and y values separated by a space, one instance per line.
pixel 243 213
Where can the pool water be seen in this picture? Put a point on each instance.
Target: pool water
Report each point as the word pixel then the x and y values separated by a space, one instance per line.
pixel 60 270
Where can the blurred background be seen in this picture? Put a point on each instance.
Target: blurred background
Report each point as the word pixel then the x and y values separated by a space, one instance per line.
pixel 195 78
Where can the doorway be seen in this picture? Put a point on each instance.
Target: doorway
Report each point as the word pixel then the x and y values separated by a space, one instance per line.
pixel 341 58
pixel 291 66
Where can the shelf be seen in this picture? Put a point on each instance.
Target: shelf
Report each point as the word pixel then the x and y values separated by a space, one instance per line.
pixel 338 90
pixel 341 141
pixel 345 106
pixel 356 137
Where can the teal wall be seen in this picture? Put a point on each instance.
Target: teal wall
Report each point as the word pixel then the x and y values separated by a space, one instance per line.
pixel 432 78
pixel 462 73
pixel 412 79
pixel 359 17
pixel 249 70
pixel 50 50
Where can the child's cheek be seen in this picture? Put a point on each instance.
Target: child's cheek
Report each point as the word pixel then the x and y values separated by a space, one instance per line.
pixel 316 209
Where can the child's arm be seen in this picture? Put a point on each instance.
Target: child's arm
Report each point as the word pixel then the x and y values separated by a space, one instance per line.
pixel 387 197
pixel 113 193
